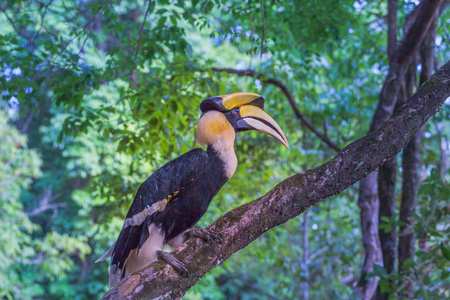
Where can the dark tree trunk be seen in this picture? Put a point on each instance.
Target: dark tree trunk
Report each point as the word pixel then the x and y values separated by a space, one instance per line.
pixel 420 20
pixel 387 174
pixel 387 178
pixel 369 208
pixel 392 30
pixel 406 246
pixel 305 258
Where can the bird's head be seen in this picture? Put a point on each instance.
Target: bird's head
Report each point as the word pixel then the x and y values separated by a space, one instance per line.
pixel 224 115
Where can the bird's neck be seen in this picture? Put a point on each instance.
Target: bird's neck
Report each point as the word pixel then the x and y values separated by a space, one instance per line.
pixel 225 152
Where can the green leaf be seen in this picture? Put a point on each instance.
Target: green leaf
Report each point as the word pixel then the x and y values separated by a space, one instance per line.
pixel 173 20
pixel 385 227
pixel 380 271
pixel 445 251
pixel 434 232
pixel 384 286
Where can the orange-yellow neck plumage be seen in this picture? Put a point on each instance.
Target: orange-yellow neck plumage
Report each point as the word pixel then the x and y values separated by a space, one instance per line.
pixel 214 130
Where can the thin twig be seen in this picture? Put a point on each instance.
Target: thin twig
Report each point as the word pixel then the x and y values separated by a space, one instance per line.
pixel 142 28
pixel 139 40
pixel 29 118
pixel 81 49
pixel 42 22
pixel 35 212
pixel 316 254
pixel 90 24
pixel 263 28
pixel 10 21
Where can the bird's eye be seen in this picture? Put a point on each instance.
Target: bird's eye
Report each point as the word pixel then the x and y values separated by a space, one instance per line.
pixel 236 113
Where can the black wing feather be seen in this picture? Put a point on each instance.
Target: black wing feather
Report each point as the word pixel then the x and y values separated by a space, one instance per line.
pixel 171 178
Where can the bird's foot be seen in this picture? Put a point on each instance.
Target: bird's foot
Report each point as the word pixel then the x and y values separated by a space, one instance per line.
pixel 173 262
pixel 207 235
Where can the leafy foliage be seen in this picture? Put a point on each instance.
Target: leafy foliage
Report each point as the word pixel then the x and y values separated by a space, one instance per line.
pixel 106 92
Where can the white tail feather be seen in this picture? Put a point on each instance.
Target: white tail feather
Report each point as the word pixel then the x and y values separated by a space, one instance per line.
pixel 106 254
pixel 138 260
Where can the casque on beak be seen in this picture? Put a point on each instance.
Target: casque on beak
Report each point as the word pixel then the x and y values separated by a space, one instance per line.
pixel 245 111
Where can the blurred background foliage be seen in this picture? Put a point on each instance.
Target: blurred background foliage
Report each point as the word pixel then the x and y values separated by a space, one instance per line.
pixel 97 95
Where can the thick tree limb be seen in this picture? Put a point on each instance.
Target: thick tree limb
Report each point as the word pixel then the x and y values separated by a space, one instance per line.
pixel 287 93
pixel 288 199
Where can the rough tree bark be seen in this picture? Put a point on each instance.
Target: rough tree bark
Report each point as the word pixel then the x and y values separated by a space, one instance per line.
pixel 387 174
pixel 288 199
pixel 305 258
pixel 410 165
pixel 392 30
pixel 368 190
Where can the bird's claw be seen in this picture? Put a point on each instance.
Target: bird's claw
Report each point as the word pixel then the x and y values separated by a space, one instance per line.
pixel 207 235
pixel 178 266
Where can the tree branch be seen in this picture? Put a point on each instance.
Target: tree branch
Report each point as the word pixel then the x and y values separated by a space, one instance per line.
pixel 288 199
pixel 89 25
pixel 392 29
pixel 36 211
pixel 287 93
pixel 263 28
pixel 141 30
pixel 10 20
pixel 46 6
pixel 423 16
pixel 426 12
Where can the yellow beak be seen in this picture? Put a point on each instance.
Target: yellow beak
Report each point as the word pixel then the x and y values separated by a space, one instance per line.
pixel 254 118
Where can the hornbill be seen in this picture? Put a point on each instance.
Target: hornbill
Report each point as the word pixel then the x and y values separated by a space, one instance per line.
pixel 172 200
